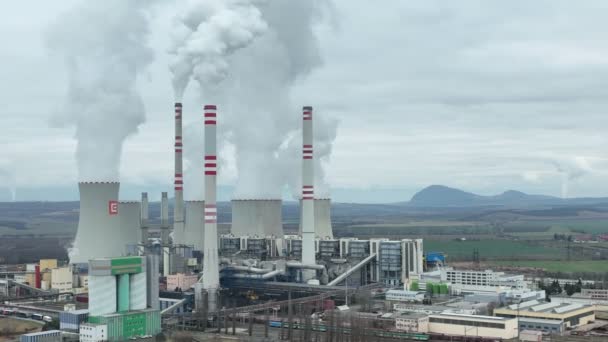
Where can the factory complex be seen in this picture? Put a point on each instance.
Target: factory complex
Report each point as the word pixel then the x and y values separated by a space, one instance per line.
pixel 133 274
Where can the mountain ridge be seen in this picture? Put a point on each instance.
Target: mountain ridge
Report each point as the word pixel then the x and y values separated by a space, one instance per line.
pixel 445 196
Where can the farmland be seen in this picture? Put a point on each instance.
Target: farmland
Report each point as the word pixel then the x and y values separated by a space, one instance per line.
pixel 587 266
pixel 494 249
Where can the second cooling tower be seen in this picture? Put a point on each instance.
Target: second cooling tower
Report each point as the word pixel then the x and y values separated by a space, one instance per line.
pixel 323 227
pixel 195 225
pixel 130 221
pixel 259 217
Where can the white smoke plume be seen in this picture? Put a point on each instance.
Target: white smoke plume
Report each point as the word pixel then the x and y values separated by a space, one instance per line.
pixel 571 170
pixel 257 117
pixel 205 34
pixel 104 45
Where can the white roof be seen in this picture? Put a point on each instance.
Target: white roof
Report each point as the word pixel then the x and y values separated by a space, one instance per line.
pixel 567 308
pixel 493 318
pixel 543 307
pixel 524 304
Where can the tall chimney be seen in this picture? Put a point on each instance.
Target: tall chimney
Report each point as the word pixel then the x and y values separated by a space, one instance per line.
pixel 178 207
pixel 164 233
pixel 164 218
pixel 144 218
pixel 211 277
pixel 308 210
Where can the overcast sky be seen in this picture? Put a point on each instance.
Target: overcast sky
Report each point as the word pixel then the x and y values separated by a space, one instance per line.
pixel 481 95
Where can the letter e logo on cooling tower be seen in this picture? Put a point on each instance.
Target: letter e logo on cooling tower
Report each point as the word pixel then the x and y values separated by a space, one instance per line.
pixel 113 207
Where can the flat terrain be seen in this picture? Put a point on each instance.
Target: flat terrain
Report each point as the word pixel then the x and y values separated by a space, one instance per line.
pixel 11 328
pixel 587 266
pixel 493 249
pixel 530 237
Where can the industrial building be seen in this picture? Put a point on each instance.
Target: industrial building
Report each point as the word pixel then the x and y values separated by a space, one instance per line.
pixel 120 303
pixel 43 336
pixel 412 322
pixel 452 324
pixel 568 314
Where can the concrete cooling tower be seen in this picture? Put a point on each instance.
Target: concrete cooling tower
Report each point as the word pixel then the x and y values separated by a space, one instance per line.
pixel 99 230
pixel 257 217
pixel 195 225
pixel 130 221
pixel 323 227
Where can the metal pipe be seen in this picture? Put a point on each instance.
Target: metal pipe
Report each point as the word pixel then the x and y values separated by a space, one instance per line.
pixel 268 275
pixel 345 275
pixel 305 266
pixel 248 269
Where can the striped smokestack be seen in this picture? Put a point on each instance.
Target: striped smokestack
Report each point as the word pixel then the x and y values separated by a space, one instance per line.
pixel 178 207
pixel 308 213
pixel 211 277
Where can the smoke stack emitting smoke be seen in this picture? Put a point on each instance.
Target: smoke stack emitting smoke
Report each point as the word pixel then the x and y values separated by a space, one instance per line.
pixel 246 56
pixel 104 44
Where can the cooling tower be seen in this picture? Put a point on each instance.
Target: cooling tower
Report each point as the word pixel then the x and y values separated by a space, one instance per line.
pixel 99 232
pixel 130 221
pixel 323 228
pixel 257 217
pixel 307 212
pixel 194 232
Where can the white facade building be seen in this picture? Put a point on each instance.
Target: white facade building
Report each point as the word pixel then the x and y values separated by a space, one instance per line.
pixel 93 332
pixel 61 279
pixel 405 296
pixel 412 323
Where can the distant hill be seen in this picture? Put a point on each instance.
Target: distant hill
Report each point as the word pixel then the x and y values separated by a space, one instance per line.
pixel 443 196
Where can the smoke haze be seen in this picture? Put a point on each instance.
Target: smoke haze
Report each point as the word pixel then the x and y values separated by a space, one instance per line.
pixel 104 45
pixel 257 117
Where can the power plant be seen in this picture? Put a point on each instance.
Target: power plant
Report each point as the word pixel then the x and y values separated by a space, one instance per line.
pixel 186 250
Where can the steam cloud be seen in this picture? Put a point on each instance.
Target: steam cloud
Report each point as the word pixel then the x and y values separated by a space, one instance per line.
pixel 104 44
pixel 205 34
pixel 276 46
pixel 571 171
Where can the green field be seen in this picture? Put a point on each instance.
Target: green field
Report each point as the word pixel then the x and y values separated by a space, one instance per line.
pixel 589 266
pixel 549 227
pixel 493 249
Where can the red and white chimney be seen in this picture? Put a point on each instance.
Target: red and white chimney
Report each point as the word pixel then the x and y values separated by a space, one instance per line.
pixel 308 192
pixel 211 277
pixel 178 208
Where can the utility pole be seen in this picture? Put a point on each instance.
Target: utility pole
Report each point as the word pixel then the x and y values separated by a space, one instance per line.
pixel 289 317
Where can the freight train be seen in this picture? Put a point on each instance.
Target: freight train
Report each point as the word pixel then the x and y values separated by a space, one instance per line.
pixel 344 330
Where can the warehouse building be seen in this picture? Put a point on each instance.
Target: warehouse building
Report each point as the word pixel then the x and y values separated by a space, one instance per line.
pixel 43 336
pixel 412 322
pixel 452 324
pixel 568 314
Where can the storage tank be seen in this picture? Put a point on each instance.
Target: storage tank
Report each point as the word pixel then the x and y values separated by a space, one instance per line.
pixel 261 217
pixel 99 233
